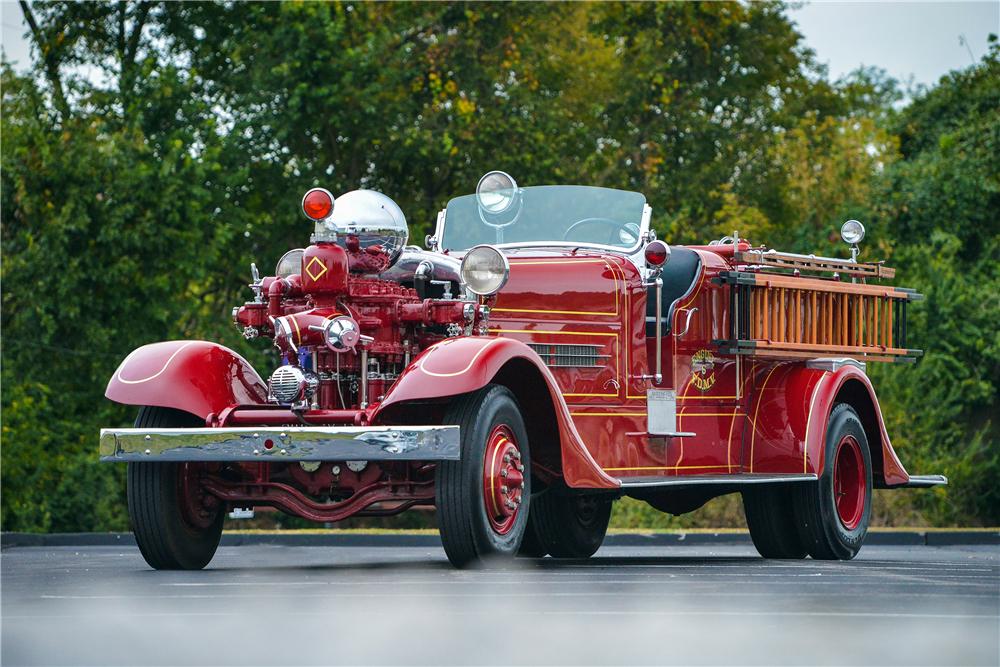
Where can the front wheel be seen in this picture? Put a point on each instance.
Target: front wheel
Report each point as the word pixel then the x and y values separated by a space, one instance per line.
pixel 833 513
pixel 176 526
pixel 482 499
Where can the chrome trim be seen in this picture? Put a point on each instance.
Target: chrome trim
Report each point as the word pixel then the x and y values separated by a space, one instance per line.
pixel 687 323
pixel 714 480
pixel 924 482
pixel 569 355
pixel 363 372
pixel 761 254
pixel 658 377
pixel 503 258
pixel 371 217
pixel 292 443
pixel 833 364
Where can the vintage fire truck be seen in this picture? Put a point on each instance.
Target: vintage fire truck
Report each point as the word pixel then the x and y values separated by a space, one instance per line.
pixel 544 356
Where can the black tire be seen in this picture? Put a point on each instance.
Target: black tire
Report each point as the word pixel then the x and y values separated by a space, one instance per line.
pixel 470 532
pixel 772 524
pixel 166 538
pixel 531 543
pixel 570 525
pixel 822 529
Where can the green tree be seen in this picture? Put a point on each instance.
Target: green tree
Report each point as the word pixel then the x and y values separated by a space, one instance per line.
pixel 155 149
pixel 941 205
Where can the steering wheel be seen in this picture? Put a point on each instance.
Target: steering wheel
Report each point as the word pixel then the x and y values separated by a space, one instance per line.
pixel 623 229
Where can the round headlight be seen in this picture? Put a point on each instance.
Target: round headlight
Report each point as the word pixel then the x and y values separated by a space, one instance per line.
pixel 290 264
pixel 852 232
pixel 495 192
pixel 484 270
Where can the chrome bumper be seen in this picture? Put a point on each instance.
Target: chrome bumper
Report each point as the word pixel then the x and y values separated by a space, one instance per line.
pixel 294 443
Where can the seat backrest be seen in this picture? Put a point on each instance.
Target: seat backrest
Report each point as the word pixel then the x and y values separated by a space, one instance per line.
pixel 678 276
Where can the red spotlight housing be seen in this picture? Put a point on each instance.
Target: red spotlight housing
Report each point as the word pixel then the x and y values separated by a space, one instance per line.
pixel 317 204
pixel 657 253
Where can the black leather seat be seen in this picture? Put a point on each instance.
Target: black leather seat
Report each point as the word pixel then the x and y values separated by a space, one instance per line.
pixel 678 276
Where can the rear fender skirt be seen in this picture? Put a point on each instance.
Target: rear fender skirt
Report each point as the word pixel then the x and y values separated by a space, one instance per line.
pixel 461 365
pixel 195 376
pixel 849 384
pixel 788 414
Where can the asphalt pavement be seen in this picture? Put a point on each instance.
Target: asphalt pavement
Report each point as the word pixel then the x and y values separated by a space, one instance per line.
pixel 392 603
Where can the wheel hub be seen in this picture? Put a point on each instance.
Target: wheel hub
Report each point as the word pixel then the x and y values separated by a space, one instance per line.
pixel 503 479
pixel 849 482
pixel 198 508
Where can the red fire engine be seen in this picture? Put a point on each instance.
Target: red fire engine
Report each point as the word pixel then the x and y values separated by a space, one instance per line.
pixel 543 357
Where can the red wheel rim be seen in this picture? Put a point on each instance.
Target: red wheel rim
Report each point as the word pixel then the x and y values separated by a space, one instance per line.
pixel 503 479
pixel 849 482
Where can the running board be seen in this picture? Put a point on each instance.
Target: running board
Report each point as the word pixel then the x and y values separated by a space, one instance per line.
pixel 923 482
pixel 741 479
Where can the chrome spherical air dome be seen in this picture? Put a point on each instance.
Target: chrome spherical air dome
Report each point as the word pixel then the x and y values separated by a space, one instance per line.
pixel 363 219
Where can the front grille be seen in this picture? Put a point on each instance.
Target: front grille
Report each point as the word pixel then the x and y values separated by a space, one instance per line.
pixel 569 356
pixel 286 384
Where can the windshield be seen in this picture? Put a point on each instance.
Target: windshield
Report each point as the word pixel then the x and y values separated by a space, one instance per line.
pixel 556 214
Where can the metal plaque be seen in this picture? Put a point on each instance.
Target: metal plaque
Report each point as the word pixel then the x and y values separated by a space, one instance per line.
pixel 661 411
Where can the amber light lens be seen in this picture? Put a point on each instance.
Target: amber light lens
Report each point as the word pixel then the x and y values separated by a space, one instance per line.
pixel 657 253
pixel 317 204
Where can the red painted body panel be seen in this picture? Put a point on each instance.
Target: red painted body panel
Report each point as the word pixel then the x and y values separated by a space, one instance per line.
pixel 324 270
pixel 191 375
pixel 706 395
pixel 780 423
pixel 790 406
pixel 588 299
pixel 460 365
pixel 775 426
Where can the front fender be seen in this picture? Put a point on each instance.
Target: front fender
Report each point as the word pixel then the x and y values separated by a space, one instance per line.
pixel 789 413
pixel 195 376
pixel 462 365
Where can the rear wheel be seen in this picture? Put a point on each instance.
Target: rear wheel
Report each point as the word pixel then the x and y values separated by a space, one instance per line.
pixel 771 520
pixel 531 544
pixel 833 513
pixel 482 500
pixel 570 525
pixel 176 525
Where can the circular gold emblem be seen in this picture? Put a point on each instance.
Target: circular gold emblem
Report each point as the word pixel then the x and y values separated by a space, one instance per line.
pixel 703 369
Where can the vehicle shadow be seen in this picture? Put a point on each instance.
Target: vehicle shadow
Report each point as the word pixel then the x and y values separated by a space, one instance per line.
pixel 434 564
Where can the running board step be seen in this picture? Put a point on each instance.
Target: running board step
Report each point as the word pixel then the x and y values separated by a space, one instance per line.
pixel 737 480
pixel 924 481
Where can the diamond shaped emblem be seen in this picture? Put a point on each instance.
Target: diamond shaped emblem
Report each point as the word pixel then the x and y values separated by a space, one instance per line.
pixel 316 268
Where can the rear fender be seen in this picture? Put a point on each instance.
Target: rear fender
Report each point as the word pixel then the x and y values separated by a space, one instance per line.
pixel 461 365
pixel 789 414
pixel 195 376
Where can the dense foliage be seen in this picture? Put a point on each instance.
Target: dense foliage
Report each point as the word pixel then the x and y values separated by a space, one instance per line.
pixel 155 149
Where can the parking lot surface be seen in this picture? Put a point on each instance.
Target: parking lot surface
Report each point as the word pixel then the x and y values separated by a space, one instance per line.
pixel 390 604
